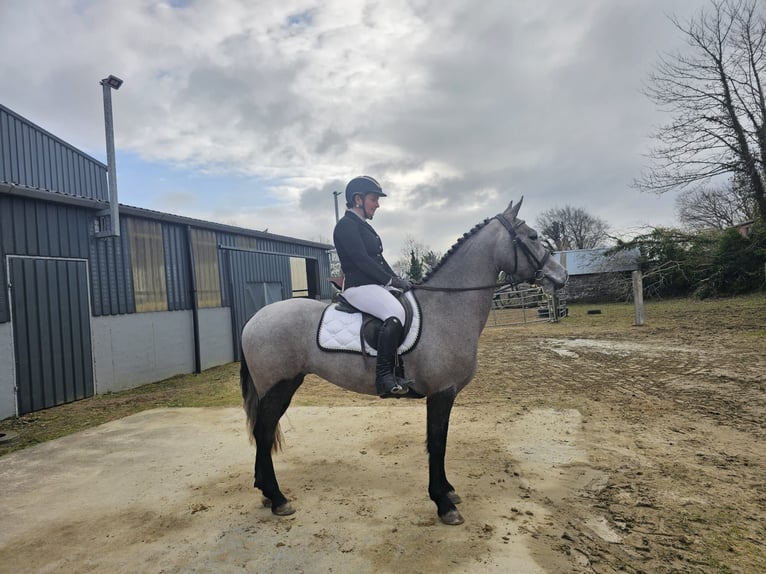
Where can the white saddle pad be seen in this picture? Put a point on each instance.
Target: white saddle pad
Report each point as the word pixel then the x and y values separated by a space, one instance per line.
pixel 339 331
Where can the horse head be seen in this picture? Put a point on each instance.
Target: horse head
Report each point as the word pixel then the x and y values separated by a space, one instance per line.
pixel 528 260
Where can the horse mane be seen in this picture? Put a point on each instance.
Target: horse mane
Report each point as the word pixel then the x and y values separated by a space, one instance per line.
pixel 475 229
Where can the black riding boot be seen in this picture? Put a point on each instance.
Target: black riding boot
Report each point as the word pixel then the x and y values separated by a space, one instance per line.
pixel 387 384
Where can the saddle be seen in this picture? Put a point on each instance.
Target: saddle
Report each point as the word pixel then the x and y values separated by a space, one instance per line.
pixel 343 328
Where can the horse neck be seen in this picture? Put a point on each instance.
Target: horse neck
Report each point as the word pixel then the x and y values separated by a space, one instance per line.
pixel 472 264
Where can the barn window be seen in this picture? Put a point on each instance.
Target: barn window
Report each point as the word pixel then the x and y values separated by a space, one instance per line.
pixel 299 277
pixel 148 265
pixel 205 248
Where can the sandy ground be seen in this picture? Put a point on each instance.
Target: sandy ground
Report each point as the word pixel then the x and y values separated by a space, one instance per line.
pixel 169 490
pixel 639 451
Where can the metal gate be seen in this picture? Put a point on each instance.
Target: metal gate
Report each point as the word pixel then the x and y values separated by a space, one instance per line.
pixel 50 312
pixel 513 306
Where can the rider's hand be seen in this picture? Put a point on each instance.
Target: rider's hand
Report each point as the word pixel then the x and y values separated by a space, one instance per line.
pixel 401 284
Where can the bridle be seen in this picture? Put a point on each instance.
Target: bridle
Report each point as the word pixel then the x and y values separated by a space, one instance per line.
pixel 539 264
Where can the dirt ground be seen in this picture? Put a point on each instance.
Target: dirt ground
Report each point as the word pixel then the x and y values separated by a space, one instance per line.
pixel 587 446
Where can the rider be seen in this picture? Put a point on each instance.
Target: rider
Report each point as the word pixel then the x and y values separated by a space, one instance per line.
pixel 369 279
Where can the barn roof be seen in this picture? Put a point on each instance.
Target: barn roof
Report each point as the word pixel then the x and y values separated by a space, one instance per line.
pixel 595 261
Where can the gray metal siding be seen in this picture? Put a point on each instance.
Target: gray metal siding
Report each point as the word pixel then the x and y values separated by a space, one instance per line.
pixel 52 336
pixel 36 228
pixel 247 267
pixel 32 157
pixel 227 240
pixel 111 278
pixel 177 274
pixel 306 251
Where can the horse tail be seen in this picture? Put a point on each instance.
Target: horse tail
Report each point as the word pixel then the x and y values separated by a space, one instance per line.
pixel 249 396
pixel 250 402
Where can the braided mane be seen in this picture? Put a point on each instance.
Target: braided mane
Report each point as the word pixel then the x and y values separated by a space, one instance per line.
pixel 475 229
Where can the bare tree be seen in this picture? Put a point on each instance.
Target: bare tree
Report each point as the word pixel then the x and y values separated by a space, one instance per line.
pixel 715 92
pixel 572 228
pixel 715 207
pixel 414 250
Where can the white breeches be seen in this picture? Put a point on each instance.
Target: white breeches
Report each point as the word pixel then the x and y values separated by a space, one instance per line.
pixel 375 300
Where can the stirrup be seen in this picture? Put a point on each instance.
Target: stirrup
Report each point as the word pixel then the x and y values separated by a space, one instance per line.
pixel 400 389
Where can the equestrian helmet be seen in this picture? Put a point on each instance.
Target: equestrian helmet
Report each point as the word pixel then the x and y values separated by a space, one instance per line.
pixel 362 185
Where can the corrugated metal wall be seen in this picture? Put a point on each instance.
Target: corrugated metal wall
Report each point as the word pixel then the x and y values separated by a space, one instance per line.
pixel 177 267
pixel 248 268
pixel 32 157
pixel 111 281
pixel 306 251
pixel 227 240
pixel 41 229
pixel 32 227
pixel 52 336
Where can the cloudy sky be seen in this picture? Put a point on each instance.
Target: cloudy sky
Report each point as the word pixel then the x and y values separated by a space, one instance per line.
pixel 252 112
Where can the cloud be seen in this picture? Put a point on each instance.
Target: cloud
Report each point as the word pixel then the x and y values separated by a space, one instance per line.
pixel 456 107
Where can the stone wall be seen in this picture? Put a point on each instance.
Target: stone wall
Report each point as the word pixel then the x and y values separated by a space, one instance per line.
pixel 599 288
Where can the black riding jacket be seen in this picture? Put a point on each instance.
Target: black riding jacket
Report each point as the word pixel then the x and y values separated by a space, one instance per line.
pixel 360 252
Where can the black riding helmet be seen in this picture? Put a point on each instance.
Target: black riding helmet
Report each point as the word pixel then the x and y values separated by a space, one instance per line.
pixel 362 185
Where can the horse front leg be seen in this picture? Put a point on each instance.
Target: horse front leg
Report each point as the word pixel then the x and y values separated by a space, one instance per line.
pixel 439 407
pixel 266 431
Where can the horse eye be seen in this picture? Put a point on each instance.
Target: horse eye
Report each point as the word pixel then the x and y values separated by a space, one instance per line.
pixel 533 236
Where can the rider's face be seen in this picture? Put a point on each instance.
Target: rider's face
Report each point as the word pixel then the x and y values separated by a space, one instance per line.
pixel 371 204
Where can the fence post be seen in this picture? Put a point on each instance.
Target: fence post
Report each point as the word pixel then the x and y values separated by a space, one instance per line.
pixel 553 309
pixel 638 296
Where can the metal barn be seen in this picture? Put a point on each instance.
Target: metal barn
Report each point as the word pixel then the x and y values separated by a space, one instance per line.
pixel 84 314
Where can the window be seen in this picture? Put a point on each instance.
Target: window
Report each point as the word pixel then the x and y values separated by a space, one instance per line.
pixel 205 248
pixel 147 260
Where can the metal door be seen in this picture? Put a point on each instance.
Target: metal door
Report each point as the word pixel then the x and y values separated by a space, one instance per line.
pixel 260 294
pixel 254 279
pixel 50 312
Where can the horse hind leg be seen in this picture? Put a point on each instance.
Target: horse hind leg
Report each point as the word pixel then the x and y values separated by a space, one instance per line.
pixel 439 407
pixel 265 429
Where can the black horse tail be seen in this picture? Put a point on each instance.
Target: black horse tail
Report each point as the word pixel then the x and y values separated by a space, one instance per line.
pixel 251 401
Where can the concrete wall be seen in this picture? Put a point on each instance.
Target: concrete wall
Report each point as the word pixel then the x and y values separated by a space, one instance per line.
pixel 7 378
pixel 216 347
pixel 132 350
pixel 136 349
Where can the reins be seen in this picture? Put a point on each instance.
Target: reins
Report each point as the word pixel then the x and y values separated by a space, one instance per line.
pixel 516 244
pixel 449 289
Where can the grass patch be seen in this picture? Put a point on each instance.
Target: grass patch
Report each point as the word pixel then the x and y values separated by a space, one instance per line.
pixel 216 387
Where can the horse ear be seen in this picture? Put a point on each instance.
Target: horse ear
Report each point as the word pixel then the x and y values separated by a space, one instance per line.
pixel 513 210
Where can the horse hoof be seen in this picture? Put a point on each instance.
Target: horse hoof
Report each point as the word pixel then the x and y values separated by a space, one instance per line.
pixel 452 518
pixel 283 510
pixel 454 497
pixel 266 502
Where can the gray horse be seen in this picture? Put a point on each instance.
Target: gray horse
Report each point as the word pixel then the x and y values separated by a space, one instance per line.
pixel 279 345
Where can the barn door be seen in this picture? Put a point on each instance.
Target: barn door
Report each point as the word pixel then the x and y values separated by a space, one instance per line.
pixel 255 279
pixel 260 294
pixel 51 331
